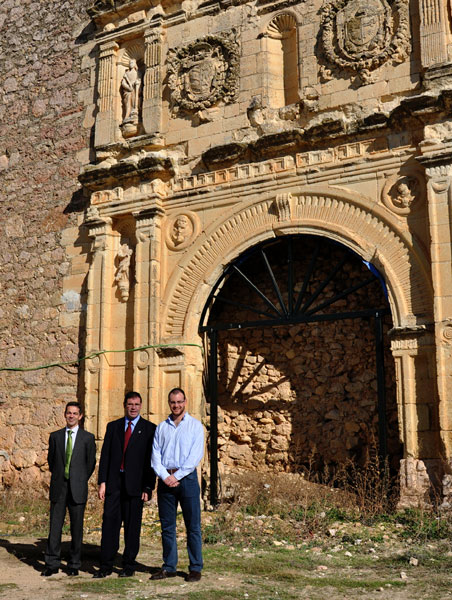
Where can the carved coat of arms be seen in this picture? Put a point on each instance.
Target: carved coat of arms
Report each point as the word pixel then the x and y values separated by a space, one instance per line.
pixel 360 35
pixel 204 72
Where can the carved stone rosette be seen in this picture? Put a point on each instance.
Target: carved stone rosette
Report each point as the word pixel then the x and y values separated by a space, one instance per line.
pixel 361 35
pixel 204 72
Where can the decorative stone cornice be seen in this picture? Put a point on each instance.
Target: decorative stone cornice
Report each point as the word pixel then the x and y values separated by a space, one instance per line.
pixel 142 167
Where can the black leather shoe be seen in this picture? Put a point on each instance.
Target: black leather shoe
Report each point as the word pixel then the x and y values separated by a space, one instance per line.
pixel 102 573
pixel 72 572
pixel 48 572
pixel 162 574
pixel 127 572
pixel 193 576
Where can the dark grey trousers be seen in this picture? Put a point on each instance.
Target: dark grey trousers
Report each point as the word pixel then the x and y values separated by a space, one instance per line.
pixel 57 514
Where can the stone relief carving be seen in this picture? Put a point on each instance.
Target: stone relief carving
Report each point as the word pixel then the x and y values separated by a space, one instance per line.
pixel 105 196
pixel 122 277
pixel 91 214
pixel 181 230
pixel 446 332
pixel 403 193
pixel 361 35
pixel 283 206
pixel 204 72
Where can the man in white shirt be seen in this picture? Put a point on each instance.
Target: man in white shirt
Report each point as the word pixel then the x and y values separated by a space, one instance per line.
pixel 71 458
pixel 177 450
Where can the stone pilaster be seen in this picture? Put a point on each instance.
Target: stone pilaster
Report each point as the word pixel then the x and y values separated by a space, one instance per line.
pixel 439 176
pixel 147 305
pixel 413 351
pixel 152 93
pixel 433 32
pixel 98 310
pixel 104 133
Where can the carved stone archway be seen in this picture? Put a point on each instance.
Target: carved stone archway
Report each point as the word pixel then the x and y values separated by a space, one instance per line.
pixel 369 230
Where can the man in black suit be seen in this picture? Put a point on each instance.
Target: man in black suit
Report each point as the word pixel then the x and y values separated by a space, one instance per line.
pixel 71 458
pixel 126 480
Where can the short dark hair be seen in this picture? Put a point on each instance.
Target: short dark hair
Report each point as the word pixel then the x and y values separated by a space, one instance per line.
pixel 177 390
pixel 130 395
pixel 75 404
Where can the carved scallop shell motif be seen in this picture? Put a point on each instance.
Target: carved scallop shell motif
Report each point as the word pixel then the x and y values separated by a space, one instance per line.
pixel 281 26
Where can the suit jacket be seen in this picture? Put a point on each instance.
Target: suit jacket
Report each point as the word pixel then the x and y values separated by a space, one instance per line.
pixel 138 474
pixel 82 465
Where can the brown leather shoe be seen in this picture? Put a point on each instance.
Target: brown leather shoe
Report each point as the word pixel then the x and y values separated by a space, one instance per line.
pixel 163 574
pixel 193 576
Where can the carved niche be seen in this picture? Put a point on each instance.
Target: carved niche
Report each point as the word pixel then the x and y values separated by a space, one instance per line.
pixel 361 35
pixel 204 72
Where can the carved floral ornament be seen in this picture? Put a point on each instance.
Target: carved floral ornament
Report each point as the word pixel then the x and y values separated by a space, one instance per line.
pixel 204 72
pixel 361 35
pixel 181 230
pixel 403 193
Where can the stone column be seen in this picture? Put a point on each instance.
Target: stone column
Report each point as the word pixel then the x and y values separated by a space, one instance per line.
pixel 147 305
pixel 433 32
pixel 98 310
pixel 152 92
pixel 413 351
pixel 105 119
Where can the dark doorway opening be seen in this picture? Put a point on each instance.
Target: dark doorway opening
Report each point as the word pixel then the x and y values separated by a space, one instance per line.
pixel 299 322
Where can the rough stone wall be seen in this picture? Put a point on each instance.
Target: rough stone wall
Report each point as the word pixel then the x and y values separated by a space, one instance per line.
pixel 41 136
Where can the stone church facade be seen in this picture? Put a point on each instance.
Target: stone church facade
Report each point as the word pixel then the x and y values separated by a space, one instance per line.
pixel 148 148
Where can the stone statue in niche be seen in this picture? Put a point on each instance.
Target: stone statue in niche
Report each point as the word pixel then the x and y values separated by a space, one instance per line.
pixel 361 35
pixel 130 92
pixel 122 276
pixel 204 72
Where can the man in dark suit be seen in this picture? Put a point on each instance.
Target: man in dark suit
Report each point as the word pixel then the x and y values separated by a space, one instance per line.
pixel 126 480
pixel 71 458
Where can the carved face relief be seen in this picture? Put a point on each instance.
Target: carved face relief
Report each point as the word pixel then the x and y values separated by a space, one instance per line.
pixel 360 35
pixel 204 72
pixel 181 230
pixel 401 194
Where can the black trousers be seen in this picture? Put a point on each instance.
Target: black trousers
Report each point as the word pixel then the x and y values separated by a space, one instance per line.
pixel 57 514
pixel 120 508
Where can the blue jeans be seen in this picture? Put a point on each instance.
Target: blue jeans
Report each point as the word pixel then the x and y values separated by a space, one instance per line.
pixel 187 494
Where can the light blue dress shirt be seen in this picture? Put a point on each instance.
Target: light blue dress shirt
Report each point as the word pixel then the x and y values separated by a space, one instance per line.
pixel 180 447
pixel 133 423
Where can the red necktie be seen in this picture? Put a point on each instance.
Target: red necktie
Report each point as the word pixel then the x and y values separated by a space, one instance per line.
pixel 127 435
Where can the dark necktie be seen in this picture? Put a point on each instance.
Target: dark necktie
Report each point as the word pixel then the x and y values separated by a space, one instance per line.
pixel 127 435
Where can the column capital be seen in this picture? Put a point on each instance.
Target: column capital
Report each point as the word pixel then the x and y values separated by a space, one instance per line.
pixel 108 49
pixel 407 340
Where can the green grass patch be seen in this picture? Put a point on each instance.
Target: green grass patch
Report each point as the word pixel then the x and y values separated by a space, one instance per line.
pixel 5 587
pixel 110 585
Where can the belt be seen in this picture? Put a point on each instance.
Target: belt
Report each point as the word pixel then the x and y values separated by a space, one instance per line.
pixel 172 471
